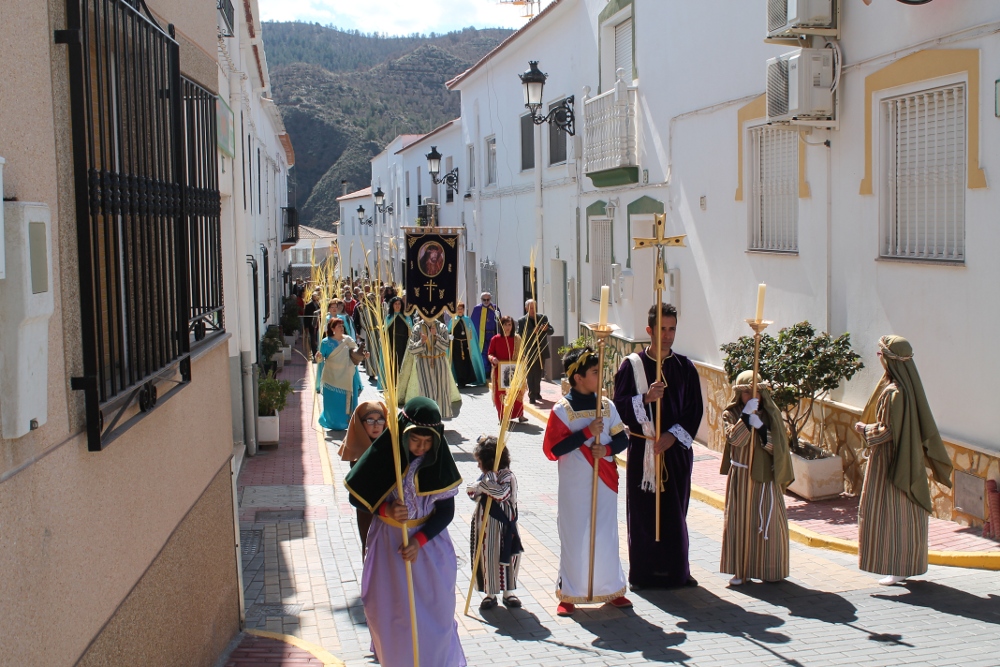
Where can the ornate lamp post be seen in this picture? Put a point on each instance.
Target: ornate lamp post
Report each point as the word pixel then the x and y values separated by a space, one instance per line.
pixel 561 116
pixel 362 219
pixel 434 168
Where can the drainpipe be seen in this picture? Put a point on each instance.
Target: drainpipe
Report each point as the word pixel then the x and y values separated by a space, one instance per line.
pixel 248 343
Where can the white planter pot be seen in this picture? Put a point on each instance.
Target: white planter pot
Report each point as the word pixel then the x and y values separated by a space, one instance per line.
pixel 267 430
pixel 279 359
pixel 289 340
pixel 817 479
pixel 286 353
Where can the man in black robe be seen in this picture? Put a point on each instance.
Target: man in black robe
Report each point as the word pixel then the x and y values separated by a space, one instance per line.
pixel 662 564
pixel 311 314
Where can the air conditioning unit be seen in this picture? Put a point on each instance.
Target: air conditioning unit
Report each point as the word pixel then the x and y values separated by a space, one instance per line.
pixel 799 86
pixel 789 18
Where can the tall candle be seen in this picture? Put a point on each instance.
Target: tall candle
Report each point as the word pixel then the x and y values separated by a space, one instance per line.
pixel 605 293
pixel 760 301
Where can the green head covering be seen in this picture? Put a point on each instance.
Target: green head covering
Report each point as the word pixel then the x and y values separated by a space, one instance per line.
pixel 914 432
pixel 768 466
pixel 372 478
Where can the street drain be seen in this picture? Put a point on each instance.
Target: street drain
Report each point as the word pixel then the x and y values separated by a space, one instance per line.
pixel 704 457
pixel 271 610
pixel 265 516
pixel 250 542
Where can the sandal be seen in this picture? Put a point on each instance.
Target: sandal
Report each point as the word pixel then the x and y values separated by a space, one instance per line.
pixel 511 602
pixel 488 603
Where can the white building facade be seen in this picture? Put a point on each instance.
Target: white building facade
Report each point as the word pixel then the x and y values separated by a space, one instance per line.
pixel 876 223
pixel 254 159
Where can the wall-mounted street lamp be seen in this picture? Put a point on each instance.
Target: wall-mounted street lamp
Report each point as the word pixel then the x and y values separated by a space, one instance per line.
pixel 380 204
pixel 361 217
pixel 561 115
pixel 434 168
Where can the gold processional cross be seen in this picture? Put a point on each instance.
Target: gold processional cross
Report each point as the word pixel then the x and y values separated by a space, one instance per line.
pixel 659 241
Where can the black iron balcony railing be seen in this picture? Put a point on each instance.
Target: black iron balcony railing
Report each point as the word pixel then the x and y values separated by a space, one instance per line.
pixel 290 224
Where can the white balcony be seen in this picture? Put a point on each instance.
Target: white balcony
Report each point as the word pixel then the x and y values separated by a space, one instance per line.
pixel 610 155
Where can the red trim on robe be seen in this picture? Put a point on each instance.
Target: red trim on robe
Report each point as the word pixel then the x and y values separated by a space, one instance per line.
pixel 556 430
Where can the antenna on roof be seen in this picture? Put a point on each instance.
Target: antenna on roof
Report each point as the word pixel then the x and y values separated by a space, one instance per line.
pixel 530 7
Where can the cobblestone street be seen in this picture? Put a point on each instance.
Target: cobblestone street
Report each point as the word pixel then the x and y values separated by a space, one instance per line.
pixel 302 572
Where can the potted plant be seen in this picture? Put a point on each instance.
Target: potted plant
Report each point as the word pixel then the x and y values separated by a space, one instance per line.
pixel 801 367
pixel 290 321
pixel 272 396
pixel 270 351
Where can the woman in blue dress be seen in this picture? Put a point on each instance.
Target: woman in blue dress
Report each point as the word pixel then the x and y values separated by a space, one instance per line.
pixel 340 381
pixel 337 309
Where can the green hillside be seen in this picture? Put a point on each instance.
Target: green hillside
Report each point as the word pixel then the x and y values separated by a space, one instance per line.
pixel 344 95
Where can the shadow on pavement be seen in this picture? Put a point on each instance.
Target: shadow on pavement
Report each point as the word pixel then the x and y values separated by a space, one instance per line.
pixel 632 634
pixel 803 602
pixel 938 597
pixel 818 605
pixel 518 624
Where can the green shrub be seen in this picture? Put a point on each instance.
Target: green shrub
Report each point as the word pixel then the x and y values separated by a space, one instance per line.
pixel 272 395
pixel 801 366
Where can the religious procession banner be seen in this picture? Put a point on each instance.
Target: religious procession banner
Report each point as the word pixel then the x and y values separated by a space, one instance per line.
pixel 431 270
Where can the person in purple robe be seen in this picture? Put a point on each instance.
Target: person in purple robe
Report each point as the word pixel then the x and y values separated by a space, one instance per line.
pixel 430 484
pixel 485 317
pixel 662 564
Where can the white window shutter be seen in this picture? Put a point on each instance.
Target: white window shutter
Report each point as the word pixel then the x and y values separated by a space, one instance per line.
pixel 925 178
pixel 600 255
pixel 774 185
pixel 623 47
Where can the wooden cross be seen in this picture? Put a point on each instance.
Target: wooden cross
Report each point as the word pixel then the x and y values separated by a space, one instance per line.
pixel 659 241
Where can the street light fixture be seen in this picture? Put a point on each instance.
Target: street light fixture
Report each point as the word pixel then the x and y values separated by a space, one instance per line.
pixel 561 115
pixel 380 204
pixel 361 217
pixel 434 168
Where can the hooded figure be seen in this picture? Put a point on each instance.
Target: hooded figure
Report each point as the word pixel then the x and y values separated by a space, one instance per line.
pixel 359 438
pixel 430 484
pixel 901 441
pixel 770 476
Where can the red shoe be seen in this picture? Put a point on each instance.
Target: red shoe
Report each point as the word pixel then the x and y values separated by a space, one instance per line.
pixel 622 603
pixel 565 609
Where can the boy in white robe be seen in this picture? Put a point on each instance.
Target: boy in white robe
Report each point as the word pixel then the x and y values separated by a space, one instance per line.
pixel 570 440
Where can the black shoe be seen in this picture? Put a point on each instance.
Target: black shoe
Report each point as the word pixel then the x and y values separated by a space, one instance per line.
pixel 691 582
pixel 488 603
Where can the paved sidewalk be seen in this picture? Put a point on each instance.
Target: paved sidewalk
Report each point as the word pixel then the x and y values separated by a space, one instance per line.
pixel 302 572
pixel 836 518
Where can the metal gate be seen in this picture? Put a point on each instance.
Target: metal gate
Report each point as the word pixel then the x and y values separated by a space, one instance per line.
pixel 147 209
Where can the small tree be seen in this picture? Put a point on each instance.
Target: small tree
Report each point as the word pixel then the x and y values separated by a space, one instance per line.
pixel 290 316
pixel 801 366
pixel 272 395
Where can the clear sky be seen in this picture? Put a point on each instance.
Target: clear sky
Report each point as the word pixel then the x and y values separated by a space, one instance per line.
pixel 396 17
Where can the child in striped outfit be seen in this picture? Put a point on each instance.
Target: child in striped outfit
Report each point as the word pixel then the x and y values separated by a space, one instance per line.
pixel 500 560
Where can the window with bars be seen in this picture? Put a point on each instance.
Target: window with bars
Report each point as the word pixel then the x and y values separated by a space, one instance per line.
pixel 557 138
pixel 527 142
pixel 491 161
pixel 923 212
pixel 147 211
pixel 600 255
pixel 774 184
pixel 488 278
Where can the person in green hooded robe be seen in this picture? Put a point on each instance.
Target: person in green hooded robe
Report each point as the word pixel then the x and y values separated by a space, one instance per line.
pixel 902 443
pixel 769 477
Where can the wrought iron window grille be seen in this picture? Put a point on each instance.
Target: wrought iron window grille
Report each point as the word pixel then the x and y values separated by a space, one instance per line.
pixel 147 212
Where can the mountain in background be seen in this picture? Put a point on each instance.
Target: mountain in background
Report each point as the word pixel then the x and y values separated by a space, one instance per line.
pixel 344 95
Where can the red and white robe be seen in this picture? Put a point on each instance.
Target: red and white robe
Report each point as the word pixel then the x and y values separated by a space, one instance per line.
pixel 568 440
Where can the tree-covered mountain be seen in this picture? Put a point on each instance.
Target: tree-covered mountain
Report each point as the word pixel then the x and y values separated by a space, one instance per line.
pixel 345 95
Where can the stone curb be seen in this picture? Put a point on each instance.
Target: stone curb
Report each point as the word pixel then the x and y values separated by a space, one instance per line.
pixel 980 560
pixel 318 652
